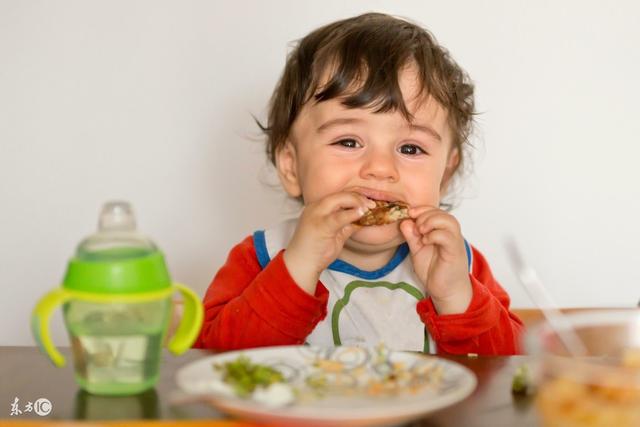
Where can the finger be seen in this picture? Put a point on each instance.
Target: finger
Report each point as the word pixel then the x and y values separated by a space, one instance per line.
pixel 448 244
pixel 344 200
pixel 415 212
pixel 411 235
pixel 339 219
pixel 345 232
pixel 437 220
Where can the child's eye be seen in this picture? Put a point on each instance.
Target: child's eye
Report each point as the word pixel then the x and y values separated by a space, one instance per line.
pixel 411 150
pixel 347 143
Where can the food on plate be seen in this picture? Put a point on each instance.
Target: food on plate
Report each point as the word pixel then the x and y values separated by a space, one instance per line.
pixel 245 376
pixel 380 377
pixel 274 395
pixel 597 398
pixel 345 371
pixel 384 213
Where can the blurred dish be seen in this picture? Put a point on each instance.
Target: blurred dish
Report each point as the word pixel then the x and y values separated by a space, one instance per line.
pixel 601 390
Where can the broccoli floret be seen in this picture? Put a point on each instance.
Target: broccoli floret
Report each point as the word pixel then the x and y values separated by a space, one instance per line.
pixel 245 376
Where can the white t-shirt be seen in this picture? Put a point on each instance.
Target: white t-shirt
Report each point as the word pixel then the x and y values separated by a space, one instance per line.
pixel 365 308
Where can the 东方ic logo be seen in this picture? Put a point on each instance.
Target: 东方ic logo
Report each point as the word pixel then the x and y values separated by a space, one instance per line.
pixel 42 407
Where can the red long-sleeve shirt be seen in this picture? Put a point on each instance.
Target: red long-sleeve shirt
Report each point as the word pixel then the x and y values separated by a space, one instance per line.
pixel 248 306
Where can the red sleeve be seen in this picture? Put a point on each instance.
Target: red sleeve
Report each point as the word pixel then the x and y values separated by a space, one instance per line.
pixel 247 306
pixel 487 327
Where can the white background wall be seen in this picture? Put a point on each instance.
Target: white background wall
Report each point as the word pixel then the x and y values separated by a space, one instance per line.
pixel 151 101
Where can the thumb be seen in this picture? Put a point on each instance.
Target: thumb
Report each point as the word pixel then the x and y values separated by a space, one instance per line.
pixel 410 232
pixel 346 231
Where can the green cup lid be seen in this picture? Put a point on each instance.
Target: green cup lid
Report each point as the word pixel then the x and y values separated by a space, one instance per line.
pixel 146 273
pixel 117 259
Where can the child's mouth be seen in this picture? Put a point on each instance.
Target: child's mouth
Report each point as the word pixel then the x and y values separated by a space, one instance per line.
pixel 380 196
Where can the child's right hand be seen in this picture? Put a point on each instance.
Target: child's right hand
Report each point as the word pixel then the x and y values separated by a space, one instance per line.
pixel 323 228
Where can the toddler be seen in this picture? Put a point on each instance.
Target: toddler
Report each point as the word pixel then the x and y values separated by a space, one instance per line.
pixel 367 109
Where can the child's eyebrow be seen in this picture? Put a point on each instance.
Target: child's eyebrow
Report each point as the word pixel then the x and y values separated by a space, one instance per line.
pixel 350 120
pixel 426 129
pixel 335 122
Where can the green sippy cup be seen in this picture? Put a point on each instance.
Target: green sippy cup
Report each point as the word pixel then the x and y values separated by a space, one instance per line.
pixel 116 299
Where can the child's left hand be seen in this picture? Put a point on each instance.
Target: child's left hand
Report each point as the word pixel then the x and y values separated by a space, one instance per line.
pixel 439 257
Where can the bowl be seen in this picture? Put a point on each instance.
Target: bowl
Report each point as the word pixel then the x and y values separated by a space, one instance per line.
pixel 599 389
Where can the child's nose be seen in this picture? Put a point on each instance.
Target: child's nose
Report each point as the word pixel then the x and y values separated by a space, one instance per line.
pixel 379 164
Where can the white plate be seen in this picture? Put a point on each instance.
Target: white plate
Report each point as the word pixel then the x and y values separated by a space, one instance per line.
pixel 359 409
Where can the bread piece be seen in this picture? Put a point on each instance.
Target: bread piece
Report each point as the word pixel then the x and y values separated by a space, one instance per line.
pixel 384 213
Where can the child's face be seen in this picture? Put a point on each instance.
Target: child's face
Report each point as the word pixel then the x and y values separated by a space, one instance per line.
pixel 333 148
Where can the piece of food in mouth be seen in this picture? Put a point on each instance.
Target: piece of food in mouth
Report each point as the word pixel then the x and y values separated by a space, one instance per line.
pixel 384 213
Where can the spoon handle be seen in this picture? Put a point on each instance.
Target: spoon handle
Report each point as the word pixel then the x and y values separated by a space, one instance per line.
pixel 543 300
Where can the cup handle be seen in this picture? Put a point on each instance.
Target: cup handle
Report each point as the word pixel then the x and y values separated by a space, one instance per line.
pixel 191 321
pixel 40 323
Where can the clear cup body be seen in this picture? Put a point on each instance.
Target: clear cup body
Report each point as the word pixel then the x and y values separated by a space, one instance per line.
pixel 117 346
pixel 600 389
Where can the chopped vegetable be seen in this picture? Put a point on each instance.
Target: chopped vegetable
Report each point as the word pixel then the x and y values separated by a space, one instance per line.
pixel 245 376
pixel 522 383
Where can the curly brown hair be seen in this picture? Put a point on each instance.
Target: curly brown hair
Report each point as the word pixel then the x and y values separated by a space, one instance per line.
pixel 363 56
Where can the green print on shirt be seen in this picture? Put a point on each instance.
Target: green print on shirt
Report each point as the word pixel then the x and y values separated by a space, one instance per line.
pixel 348 290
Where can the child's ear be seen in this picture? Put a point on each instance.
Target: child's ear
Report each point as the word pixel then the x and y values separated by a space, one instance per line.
pixel 287 166
pixel 452 165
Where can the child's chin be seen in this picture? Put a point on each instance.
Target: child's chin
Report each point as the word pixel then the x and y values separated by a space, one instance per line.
pixel 383 236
